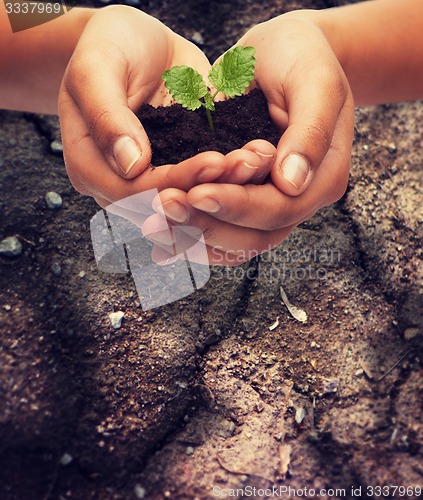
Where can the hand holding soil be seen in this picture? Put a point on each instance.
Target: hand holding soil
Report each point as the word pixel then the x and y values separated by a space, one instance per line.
pixel 100 132
pixel 305 67
pixel 224 387
pixel 116 67
pixel 311 166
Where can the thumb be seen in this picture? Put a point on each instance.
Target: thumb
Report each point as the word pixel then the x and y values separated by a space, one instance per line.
pixel 99 92
pixel 316 114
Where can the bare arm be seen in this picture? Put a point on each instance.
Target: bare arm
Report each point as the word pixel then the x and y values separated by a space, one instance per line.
pixel 379 44
pixel 32 62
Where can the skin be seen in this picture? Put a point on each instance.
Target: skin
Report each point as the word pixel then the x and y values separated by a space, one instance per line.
pixel 58 67
pixel 33 65
pixel 368 52
pixel 93 123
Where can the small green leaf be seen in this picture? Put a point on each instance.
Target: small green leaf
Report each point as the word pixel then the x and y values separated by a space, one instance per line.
pixel 235 72
pixel 186 86
pixel 208 102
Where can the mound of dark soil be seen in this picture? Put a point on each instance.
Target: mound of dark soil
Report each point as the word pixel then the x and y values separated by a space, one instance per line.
pixel 177 134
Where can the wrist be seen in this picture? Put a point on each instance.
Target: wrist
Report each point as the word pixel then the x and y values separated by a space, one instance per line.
pixel 328 25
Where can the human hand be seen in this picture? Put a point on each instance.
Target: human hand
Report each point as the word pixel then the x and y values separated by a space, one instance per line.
pixel 309 96
pixel 116 67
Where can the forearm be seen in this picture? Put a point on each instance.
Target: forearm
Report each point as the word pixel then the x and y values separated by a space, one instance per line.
pixel 32 62
pixel 379 44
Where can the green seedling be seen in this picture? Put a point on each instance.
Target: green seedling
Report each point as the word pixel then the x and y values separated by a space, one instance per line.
pixel 231 76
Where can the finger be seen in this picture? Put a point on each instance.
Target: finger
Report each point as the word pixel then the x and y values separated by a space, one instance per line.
pixel 260 147
pixel 174 240
pixel 113 126
pixel 265 206
pixel 107 94
pixel 258 207
pixel 314 116
pixel 243 242
pixel 267 153
pixel 251 163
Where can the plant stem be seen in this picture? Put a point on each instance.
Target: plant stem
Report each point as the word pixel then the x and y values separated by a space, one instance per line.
pixel 209 118
pixel 208 111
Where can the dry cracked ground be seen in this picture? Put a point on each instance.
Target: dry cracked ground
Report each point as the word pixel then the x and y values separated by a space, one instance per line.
pixel 223 390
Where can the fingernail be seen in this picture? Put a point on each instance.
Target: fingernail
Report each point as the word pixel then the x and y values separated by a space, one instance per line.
pixel 295 170
pixel 126 153
pixel 208 205
pixel 264 155
pixel 243 172
pixel 265 158
pixel 175 211
pixel 248 166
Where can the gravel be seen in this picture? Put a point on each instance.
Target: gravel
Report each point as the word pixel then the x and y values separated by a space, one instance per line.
pixel 56 147
pixel 10 247
pixel 66 459
pixel 56 269
pixel 53 200
pixel 116 319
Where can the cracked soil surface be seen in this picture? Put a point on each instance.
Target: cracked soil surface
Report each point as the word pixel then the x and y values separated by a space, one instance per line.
pixel 200 397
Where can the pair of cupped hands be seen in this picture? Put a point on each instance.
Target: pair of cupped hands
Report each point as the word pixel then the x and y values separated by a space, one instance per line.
pixel 244 202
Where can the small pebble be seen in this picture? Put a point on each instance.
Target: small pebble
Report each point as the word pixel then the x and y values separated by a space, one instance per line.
pixel 53 200
pixel 10 247
pixel 139 491
pixel 300 415
pixel 81 274
pixel 359 372
pixel 116 319
pixel 197 38
pixel 66 459
pixel 56 147
pixel 410 333
pixel 227 428
pixel 56 269
pixel 260 406
pixel 189 450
